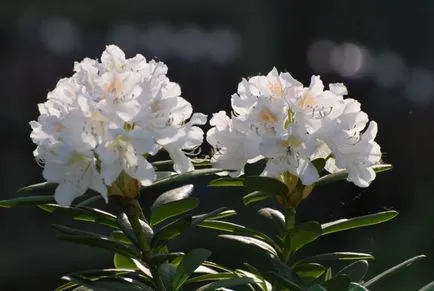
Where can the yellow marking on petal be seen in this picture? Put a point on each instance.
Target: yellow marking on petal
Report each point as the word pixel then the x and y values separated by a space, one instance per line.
pixel 266 115
pixel 293 141
pixel 307 100
pixel 276 89
pixel 58 127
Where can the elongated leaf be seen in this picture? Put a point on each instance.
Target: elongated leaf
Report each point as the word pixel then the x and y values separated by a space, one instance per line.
pixel 356 287
pixel 275 216
pixel 239 230
pixel 316 287
pixel 342 175
pixel 82 214
pixel 43 187
pixel 171 231
pixel 286 282
pixel 356 271
pixel 172 209
pixel 122 262
pixel 177 178
pixel 356 222
pixel 337 283
pixel 309 271
pixel 27 201
pixel 211 277
pixel 337 256
pixel 159 259
pixel 251 241
pixel 226 283
pixel 393 270
pixel 95 240
pixel 303 234
pixel 428 287
pixel 263 184
pixel 176 194
pixel 213 215
pixel 168 164
pixel 255 196
pixel 191 261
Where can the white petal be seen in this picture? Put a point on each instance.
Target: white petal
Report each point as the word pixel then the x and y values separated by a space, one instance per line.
pixel 66 193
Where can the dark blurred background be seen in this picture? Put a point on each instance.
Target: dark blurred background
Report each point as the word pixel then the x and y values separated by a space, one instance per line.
pixel 382 51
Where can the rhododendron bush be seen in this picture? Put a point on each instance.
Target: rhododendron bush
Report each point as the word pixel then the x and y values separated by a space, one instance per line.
pixel 100 129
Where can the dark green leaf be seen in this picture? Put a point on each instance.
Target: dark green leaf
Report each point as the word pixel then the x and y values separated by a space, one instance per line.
pixel 43 187
pixel 356 287
pixel 159 259
pixel 95 240
pixel 215 214
pixel 255 196
pixel 227 283
pixel 127 229
pixel 275 216
pixel 191 261
pixel 393 270
pixel 337 283
pixel 171 231
pixel 303 234
pixel 239 230
pixel 309 271
pixel 428 287
pixel 342 175
pixel 286 282
pixel 168 164
pixel 263 184
pixel 27 201
pixel 356 222
pixel 82 214
pixel 356 271
pixel 176 194
pixel 251 241
pixel 172 209
pixel 211 277
pixel 337 256
pixel 177 178
pixel 316 287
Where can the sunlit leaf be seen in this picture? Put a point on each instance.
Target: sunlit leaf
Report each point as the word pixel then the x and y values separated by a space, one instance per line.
pixel 356 271
pixel 263 184
pixel 343 174
pixel 27 201
pixel 172 209
pixel 303 234
pixel 189 263
pixel 309 271
pixel 171 231
pixel 356 222
pixel 275 216
pixel 251 241
pixel 176 194
pixel 393 270
pixel 255 196
pixel 337 256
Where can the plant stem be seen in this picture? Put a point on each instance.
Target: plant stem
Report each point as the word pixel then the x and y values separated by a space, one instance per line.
pixel 289 225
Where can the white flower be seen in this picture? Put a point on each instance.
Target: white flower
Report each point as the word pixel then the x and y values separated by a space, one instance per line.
pixel 276 118
pixel 106 118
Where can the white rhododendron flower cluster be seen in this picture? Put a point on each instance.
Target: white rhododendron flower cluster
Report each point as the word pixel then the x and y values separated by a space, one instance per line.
pixel 106 119
pixel 277 119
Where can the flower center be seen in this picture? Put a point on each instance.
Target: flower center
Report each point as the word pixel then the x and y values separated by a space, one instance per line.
pixel 307 100
pixel 276 89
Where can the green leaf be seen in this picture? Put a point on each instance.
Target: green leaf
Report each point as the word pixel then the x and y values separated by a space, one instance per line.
pixel 191 261
pixel 239 230
pixel 171 231
pixel 286 282
pixel 82 214
pixel 356 222
pixel 428 287
pixel 176 194
pixel 309 271
pixel 337 283
pixel 337 256
pixel 303 234
pixel 263 184
pixel 251 241
pixel 95 240
pixel 122 262
pixel 127 229
pixel 356 271
pixel 227 283
pixel 393 270
pixel 39 187
pixel 168 164
pixel 316 287
pixel 343 174
pixel 177 178
pixel 160 258
pixel 255 196
pixel 27 201
pixel 275 216
pixel 215 214
pixel 211 277
pixel 356 287
pixel 172 209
